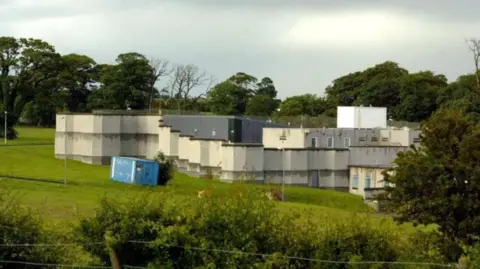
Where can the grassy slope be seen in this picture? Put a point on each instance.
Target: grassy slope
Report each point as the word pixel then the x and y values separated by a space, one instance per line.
pixel 87 184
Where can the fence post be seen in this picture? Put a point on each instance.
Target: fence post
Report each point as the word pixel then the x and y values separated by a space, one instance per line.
pixel 110 245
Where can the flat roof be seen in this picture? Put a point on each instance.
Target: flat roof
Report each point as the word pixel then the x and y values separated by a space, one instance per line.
pixel 380 166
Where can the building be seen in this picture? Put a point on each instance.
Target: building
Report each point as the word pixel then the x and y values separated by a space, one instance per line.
pixel 348 159
pixel 366 165
pixel 361 117
pixel 95 138
pixel 229 128
pixel 337 137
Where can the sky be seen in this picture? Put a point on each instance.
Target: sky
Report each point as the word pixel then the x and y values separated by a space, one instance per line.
pixel 303 45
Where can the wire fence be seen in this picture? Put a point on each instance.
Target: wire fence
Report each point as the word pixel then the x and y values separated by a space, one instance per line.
pixel 224 251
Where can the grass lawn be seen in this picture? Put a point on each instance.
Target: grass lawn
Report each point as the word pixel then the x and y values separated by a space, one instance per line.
pixel 32 157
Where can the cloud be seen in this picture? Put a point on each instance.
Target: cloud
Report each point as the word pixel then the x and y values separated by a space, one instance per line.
pixel 301 45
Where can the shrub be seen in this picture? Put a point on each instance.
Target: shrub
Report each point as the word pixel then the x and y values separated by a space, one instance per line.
pixel 20 226
pixel 167 169
pixel 140 219
pixel 190 235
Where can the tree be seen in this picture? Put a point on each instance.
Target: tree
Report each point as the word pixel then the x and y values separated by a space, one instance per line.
pixel 159 69
pixel 28 67
pixel 307 104
pixel 419 93
pixel 226 98
pixel 266 87
pixel 439 183
pixel 474 46
pixel 184 79
pixel 125 84
pixel 77 77
pixel 383 92
pixel 232 96
pixel 261 105
pixel 356 88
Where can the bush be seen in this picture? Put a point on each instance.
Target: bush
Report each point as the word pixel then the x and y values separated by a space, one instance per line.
pixel 167 169
pixel 20 226
pixel 190 235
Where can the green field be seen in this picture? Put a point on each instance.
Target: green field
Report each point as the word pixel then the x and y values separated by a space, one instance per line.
pixel 28 168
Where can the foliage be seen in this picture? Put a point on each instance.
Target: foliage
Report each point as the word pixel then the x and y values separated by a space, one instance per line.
pixel 189 235
pixel 243 94
pixel 124 85
pixel 419 93
pixel 438 183
pixel 20 226
pixel 166 170
pixel 472 260
pixel 307 104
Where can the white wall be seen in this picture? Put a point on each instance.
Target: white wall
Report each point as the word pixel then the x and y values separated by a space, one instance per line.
pixel 361 117
pixel 378 156
pixel 184 147
pixel 346 117
pixel 94 138
pixel 295 137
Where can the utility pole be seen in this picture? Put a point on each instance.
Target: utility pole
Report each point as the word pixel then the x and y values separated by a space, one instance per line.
pixel 65 144
pixel 283 138
pixel 5 128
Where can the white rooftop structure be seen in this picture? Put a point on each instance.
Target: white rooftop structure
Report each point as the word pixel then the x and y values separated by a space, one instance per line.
pixel 361 117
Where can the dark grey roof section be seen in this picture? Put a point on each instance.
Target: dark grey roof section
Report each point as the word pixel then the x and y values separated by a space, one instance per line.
pixel 230 128
pixel 378 166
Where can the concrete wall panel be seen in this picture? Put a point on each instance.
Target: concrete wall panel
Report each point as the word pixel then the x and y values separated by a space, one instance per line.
pixel 272 160
pixel 295 138
pixel 296 160
pixel 227 155
pixel 195 151
pixel 164 136
pixel 174 138
pixel 184 147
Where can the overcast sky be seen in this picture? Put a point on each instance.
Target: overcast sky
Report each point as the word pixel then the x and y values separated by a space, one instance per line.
pixel 301 45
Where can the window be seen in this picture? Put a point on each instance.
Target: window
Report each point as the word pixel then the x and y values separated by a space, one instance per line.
pixel 384 139
pixel 368 182
pixel 330 142
pixel 374 139
pixel 361 138
pixel 355 181
pixel 313 142
pixel 346 142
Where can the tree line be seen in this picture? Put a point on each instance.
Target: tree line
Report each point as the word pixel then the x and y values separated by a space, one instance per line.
pixel 36 82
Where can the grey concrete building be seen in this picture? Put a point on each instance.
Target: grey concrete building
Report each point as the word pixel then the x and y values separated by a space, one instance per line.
pixel 230 128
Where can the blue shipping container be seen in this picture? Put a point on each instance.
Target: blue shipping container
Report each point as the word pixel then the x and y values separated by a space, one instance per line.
pixel 134 171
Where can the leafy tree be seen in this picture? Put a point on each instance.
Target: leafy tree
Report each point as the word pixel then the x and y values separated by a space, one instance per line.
pixel 419 93
pixel 261 105
pixel 307 104
pixel 28 67
pixel 438 183
pixel 126 84
pixel 356 88
pixel 77 78
pixel 266 87
pixel 382 92
pixel 227 98
pixel 231 97
pixel 462 95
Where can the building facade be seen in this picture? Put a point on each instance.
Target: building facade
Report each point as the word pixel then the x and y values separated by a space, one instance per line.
pixel 342 159
pixel 229 128
pixel 338 138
